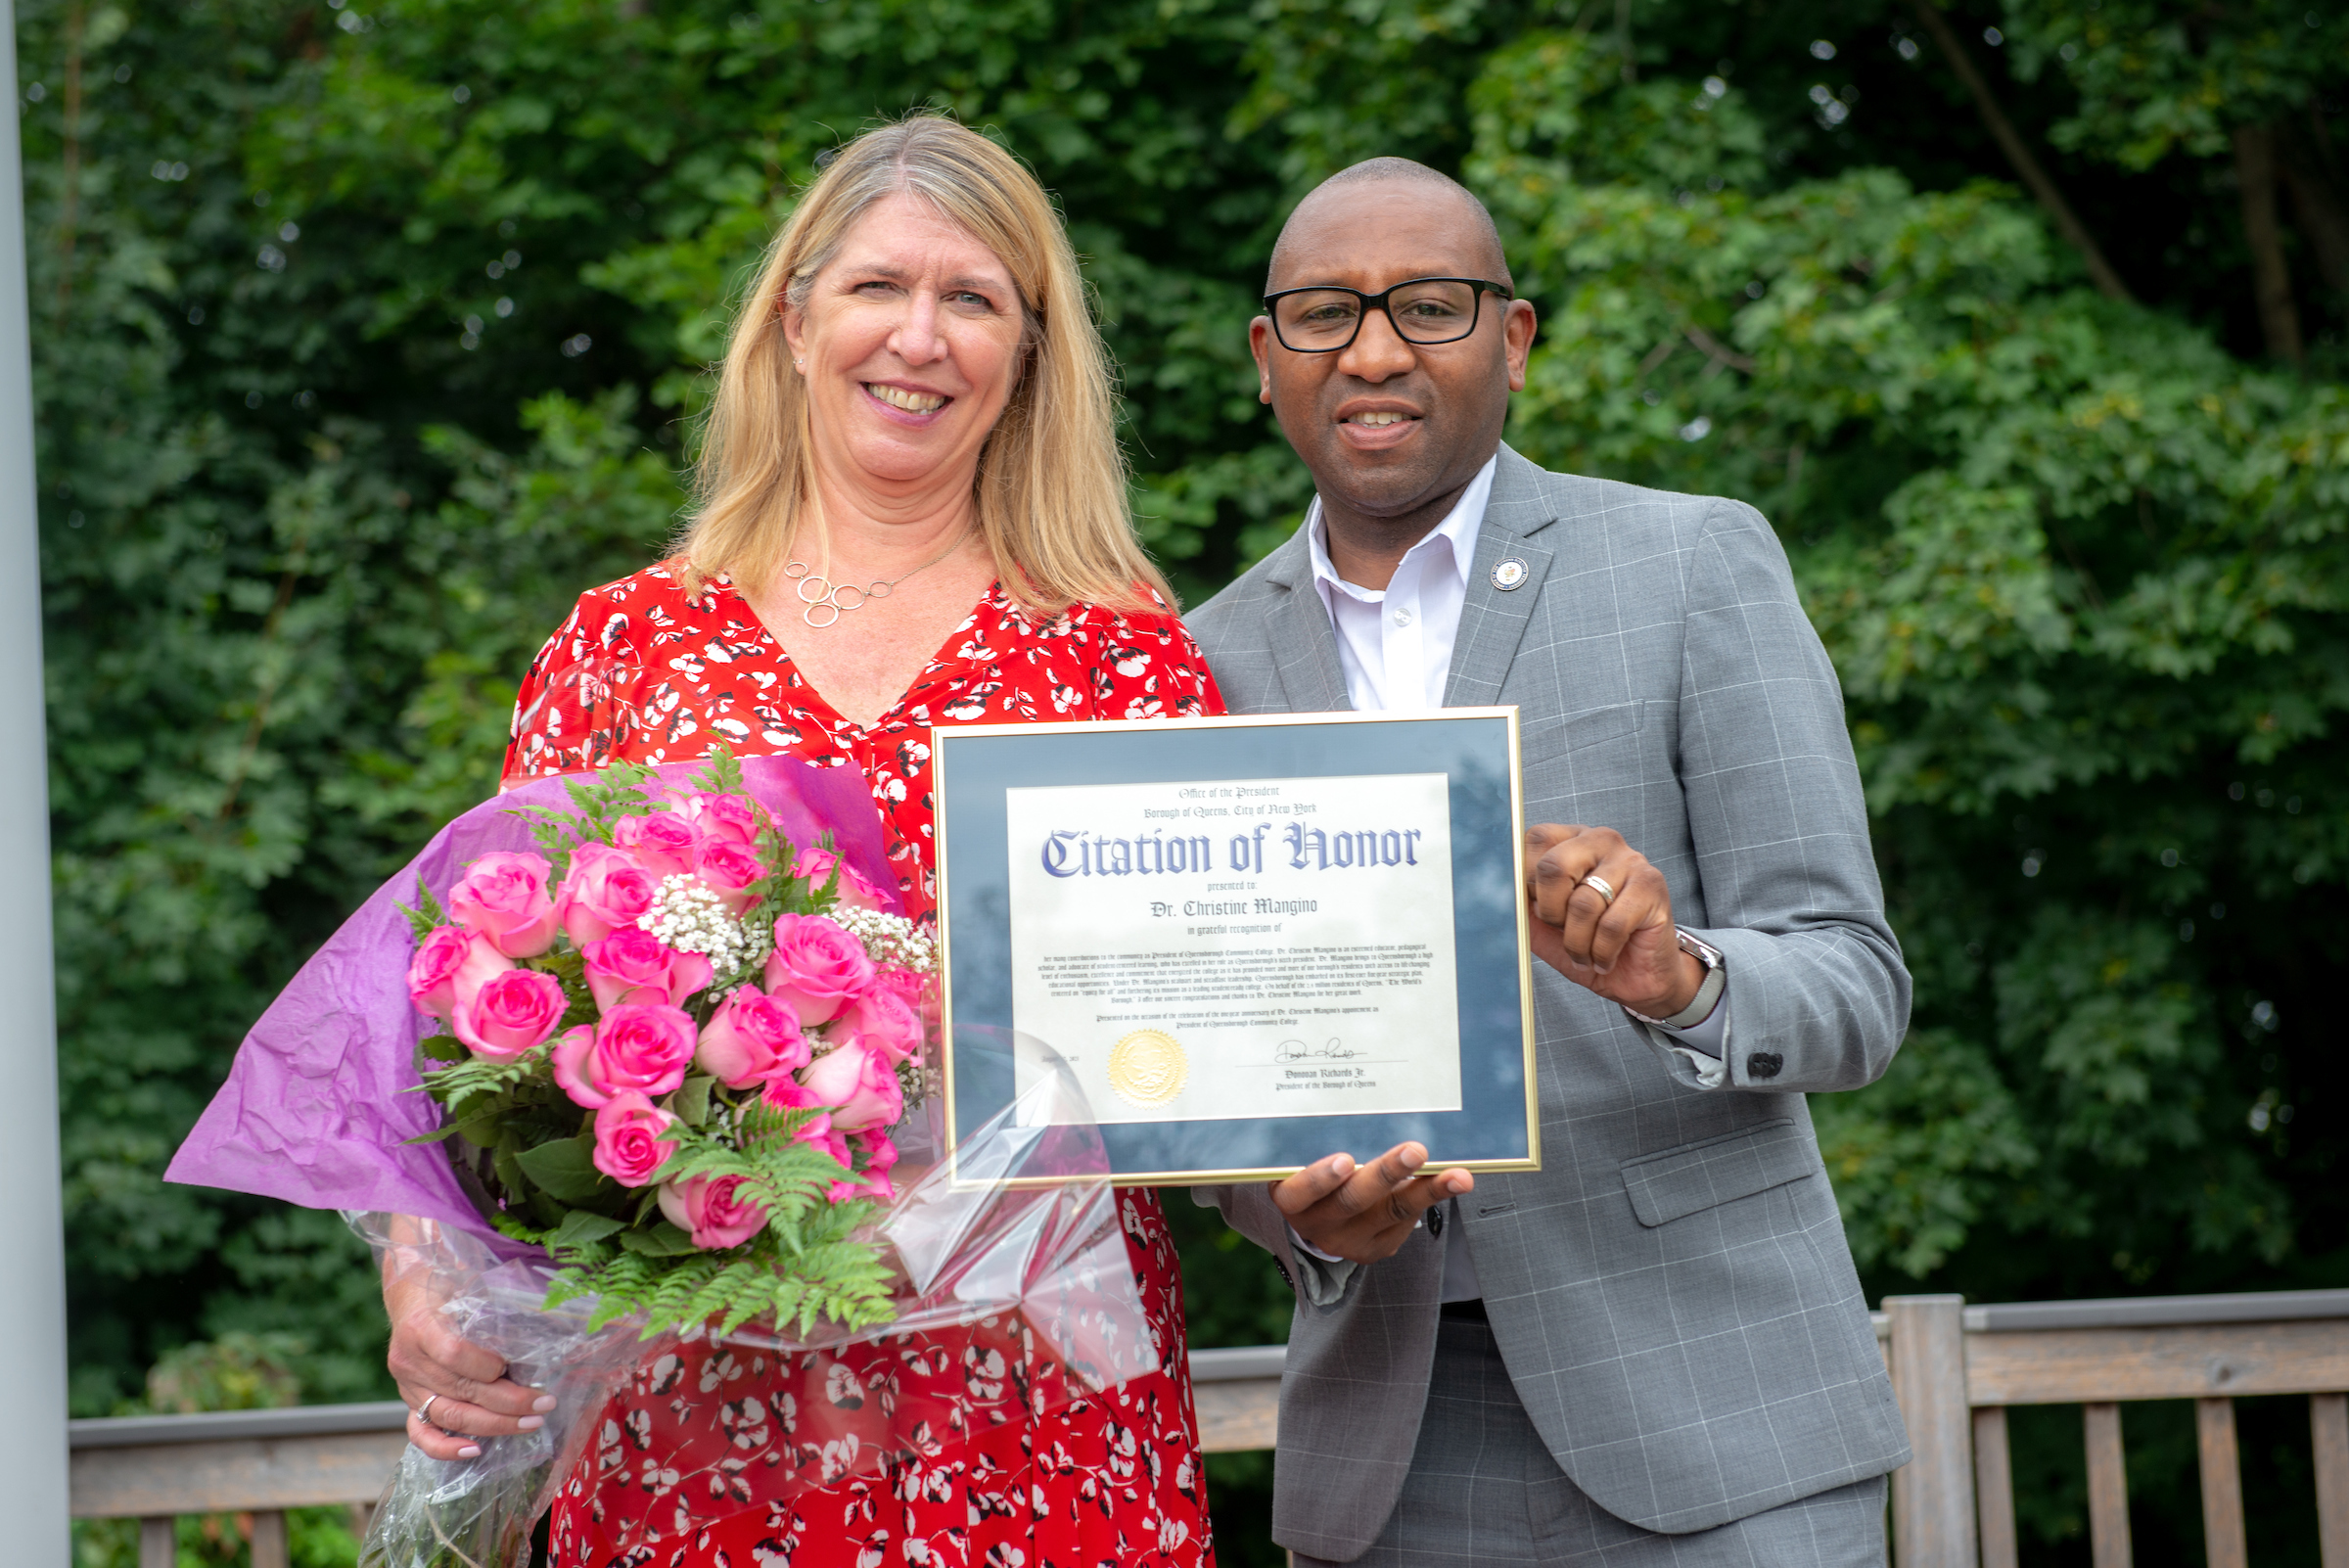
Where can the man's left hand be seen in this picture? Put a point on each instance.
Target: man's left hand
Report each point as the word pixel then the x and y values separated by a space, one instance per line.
pixel 1625 949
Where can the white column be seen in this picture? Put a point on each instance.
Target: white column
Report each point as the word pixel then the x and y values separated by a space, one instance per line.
pixel 32 1260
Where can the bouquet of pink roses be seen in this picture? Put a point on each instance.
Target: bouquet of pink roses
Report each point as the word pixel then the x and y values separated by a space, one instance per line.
pixel 675 1045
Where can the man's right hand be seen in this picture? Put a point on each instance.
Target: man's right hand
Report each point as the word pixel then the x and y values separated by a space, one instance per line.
pixel 1365 1213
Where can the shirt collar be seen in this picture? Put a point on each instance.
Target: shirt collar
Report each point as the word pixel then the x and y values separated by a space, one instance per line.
pixel 1455 535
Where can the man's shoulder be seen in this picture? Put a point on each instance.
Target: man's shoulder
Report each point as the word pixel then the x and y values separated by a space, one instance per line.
pixel 1234 613
pixel 1527 496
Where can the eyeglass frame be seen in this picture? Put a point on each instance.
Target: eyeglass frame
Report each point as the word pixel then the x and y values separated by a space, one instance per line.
pixel 1379 302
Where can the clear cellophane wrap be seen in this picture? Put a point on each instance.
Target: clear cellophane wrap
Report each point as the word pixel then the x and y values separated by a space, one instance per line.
pixel 1009 1255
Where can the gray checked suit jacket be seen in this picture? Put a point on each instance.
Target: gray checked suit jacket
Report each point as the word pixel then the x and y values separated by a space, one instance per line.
pixel 1672 1291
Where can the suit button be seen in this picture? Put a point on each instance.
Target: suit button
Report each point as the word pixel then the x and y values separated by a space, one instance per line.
pixel 1764 1064
pixel 1434 1221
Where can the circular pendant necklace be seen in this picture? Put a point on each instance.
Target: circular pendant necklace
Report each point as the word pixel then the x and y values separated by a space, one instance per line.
pixel 822 593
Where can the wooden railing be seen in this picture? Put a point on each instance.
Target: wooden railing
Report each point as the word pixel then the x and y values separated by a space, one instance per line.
pixel 1956 1370
pixel 154 1468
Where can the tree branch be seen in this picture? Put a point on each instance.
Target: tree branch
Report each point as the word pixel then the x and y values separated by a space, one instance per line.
pixel 2010 142
pixel 2317 204
pixel 2271 278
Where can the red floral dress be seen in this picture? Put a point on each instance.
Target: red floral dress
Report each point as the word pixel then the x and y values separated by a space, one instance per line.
pixel 697 1462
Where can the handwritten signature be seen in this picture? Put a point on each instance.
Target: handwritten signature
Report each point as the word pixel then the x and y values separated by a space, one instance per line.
pixel 1297 1050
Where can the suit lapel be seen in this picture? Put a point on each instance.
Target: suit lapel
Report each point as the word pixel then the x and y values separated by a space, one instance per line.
pixel 1493 620
pixel 1305 650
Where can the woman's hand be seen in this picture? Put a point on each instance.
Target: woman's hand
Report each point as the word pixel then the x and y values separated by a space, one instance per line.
pixel 469 1393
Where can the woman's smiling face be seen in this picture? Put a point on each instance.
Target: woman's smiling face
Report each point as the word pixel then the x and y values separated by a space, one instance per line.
pixel 910 344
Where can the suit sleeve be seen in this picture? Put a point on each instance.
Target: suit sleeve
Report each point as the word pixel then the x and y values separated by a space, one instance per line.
pixel 1248 1209
pixel 1818 996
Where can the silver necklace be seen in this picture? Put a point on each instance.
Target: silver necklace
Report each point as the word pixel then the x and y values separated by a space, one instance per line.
pixel 822 593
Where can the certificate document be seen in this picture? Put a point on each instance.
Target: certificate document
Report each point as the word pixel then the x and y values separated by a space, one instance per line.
pixel 1218 949
pixel 1207 950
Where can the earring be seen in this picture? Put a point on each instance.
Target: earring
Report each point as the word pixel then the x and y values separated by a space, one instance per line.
pixel 798 364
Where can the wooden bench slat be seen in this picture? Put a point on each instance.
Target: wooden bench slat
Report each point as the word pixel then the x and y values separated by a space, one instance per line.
pixel 233 1477
pixel 2329 1425
pixel 2102 1365
pixel 1238 1415
pixel 2223 1544
pixel 2107 1489
pixel 1994 1489
pixel 270 1549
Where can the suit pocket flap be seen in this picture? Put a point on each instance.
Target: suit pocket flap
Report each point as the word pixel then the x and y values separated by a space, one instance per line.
pixel 1593 729
pixel 1678 1183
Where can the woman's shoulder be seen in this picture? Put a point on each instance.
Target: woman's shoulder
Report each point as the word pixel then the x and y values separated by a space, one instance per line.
pixel 1147 618
pixel 640 612
pixel 1144 662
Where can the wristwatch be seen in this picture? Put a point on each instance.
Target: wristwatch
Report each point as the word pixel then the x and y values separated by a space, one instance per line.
pixel 1708 995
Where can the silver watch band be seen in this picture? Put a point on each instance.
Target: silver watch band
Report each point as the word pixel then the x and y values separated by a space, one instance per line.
pixel 1708 995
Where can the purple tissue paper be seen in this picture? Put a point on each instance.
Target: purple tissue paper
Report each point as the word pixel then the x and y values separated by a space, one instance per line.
pixel 316 1108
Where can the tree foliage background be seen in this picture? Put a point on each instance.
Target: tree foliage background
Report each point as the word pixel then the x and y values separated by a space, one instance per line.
pixel 370 331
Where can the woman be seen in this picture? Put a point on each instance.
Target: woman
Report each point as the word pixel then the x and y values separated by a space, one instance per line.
pixel 912 448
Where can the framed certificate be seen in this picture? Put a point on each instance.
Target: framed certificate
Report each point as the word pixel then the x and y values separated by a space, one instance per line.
pixel 1252 941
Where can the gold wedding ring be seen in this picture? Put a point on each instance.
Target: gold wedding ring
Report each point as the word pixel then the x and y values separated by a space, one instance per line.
pixel 1598 884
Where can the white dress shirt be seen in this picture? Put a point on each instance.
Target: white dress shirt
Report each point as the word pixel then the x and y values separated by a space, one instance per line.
pixel 1395 650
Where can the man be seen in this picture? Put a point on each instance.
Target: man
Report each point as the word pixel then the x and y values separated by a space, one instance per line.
pixel 1654 1350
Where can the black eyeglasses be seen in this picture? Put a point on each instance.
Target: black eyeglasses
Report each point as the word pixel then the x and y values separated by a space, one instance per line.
pixel 1421 310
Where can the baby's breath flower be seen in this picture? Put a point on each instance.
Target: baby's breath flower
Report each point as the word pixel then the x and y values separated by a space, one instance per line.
pixel 890 938
pixel 688 916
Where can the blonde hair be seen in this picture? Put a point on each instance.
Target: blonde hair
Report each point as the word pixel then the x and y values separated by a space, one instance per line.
pixel 1051 483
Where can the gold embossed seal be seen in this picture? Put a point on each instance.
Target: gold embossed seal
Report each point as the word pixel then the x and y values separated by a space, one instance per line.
pixel 1149 1068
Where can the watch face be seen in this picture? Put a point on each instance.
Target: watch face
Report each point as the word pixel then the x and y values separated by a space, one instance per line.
pixel 1697 948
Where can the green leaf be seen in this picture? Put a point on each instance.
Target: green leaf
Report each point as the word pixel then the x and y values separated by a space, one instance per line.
pixel 664 1240
pixel 580 1226
pixel 564 1169
pixel 482 1131
pixel 691 1103
pixel 442 1049
pixel 425 914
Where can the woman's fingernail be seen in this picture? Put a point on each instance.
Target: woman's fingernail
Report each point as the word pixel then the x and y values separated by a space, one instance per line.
pixel 470 1451
pixel 531 1423
pixel 543 1402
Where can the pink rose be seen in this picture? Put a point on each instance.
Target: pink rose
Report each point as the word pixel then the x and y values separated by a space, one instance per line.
pixel 882 1019
pixel 631 965
pixel 816 967
pixel 663 841
pixel 628 1145
pixel 706 1207
pixel 731 871
pixel 450 965
pixel 510 1013
pixel 724 816
pixel 880 1155
pixel 792 1095
pixel 860 1086
pixel 815 867
pixel 820 1134
pixel 503 896
pixel 607 889
pixel 752 1038
pixel 637 1045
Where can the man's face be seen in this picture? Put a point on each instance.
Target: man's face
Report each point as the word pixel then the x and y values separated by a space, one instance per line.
pixel 1390 427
